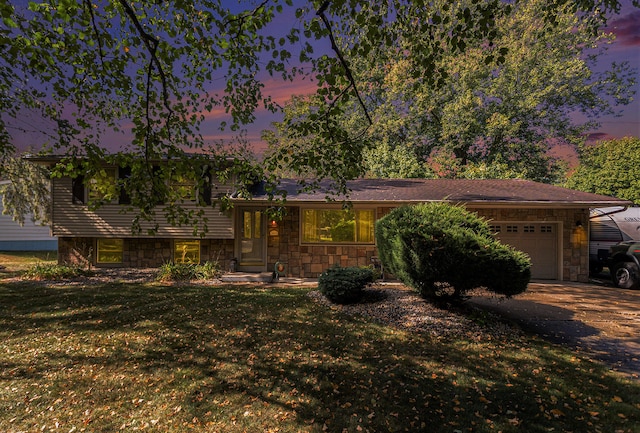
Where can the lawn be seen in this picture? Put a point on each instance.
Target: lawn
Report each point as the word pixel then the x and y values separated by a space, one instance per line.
pixel 175 358
pixel 20 260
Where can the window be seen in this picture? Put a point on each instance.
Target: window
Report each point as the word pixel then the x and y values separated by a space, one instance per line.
pixel 110 251
pixel 512 229
pixel 495 229
pixel 190 187
pixel 529 229
pixel 337 225
pixel 182 186
pixel 186 252
pixel 102 186
pixel 252 224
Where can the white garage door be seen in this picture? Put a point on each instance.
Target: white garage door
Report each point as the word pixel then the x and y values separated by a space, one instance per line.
pixel 539 240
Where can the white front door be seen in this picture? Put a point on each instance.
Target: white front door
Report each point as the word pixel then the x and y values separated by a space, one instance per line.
pixel 251 242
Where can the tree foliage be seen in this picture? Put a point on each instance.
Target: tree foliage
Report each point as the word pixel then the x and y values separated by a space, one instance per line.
pixel 27 192
pixel 150 73
pixel 500 101
pixel 442 250
pixel 610 167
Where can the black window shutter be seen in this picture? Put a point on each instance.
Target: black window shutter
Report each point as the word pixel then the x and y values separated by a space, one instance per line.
pixel 77 189
pixel 124 173
pixel 158 185
pixel 205 195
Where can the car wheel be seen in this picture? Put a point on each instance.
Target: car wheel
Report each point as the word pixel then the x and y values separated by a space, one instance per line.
pixel 626 275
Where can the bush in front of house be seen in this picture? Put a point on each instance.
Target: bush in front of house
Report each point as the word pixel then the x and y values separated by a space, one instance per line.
pixel 48 271
pixel 188 271
pixel 443 250
pixel 345 285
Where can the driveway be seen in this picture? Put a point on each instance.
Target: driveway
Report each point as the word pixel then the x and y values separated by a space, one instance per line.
pixel 596 318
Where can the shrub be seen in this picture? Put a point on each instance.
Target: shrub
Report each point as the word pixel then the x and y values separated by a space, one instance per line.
pixel 437 245
pixel 52 271
pixel 345 285
pixel 188 271
pixel 208 270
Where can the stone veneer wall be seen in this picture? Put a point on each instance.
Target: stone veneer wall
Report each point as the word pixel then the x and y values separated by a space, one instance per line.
pixel 309 261
pixel 143 252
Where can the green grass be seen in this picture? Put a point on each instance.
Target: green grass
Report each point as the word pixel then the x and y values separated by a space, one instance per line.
pixel 123 357
pixel 17 260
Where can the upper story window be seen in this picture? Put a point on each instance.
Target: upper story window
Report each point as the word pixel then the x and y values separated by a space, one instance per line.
pixel 338 226
pixel 100 188
pixel 103 186
pixel 188 187
pixel 109 185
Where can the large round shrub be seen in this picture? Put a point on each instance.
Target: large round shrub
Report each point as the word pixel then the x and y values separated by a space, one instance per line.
pixel 345 285
pixel 440 249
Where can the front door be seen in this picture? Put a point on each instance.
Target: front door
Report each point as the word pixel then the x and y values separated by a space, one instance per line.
pixel 251 242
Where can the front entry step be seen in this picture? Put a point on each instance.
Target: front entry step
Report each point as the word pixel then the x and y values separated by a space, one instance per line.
pixel 247 277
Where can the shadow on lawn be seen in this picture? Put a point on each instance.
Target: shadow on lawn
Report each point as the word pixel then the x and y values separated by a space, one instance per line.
pixel 259 359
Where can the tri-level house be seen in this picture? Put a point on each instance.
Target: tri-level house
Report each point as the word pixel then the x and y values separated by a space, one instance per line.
pixel 550 223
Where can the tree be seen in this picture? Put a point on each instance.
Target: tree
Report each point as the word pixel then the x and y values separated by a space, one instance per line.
pixel 151 69
pixel 27 191
pixel 503 101
pixel 610 167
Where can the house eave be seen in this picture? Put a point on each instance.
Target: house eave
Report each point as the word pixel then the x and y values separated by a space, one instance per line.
pixel 472 203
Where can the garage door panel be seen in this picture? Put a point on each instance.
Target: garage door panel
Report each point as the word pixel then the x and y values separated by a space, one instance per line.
pixel 538 240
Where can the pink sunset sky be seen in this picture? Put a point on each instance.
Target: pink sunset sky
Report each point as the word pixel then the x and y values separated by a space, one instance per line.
pixel 625 26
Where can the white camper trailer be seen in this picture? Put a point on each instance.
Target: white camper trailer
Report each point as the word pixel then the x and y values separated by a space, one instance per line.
pixel 607 227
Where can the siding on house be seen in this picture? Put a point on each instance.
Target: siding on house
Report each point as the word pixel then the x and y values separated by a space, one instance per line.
pixel 76 220
pixel 29 237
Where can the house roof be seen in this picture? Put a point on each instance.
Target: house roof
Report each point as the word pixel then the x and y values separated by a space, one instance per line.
pixel 478 192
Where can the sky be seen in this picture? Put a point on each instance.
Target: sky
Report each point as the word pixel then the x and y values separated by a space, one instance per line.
pixel 626 27
pixel 626 47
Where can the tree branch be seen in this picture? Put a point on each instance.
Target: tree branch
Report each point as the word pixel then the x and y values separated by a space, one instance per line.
pixel 334 46
pixel 243 16
pixel 151 43
pixel 89 6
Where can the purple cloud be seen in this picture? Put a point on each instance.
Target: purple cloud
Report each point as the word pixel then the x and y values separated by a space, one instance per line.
pixel 627 29
pixel 598 136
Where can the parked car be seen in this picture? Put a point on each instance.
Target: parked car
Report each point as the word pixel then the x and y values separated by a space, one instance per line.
pixel 624 264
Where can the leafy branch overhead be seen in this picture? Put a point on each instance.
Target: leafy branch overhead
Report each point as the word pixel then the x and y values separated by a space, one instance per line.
pixel 149 75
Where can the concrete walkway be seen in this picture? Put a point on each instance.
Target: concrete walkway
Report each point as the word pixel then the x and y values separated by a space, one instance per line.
pixel 597 318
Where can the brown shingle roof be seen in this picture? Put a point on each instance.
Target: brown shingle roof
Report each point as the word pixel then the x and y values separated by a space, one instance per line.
pixel 469 191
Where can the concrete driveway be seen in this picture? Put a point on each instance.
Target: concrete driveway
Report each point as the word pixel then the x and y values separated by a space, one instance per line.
pixel 597 318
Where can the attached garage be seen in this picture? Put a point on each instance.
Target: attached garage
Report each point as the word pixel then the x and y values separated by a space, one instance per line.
pixel 539 240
